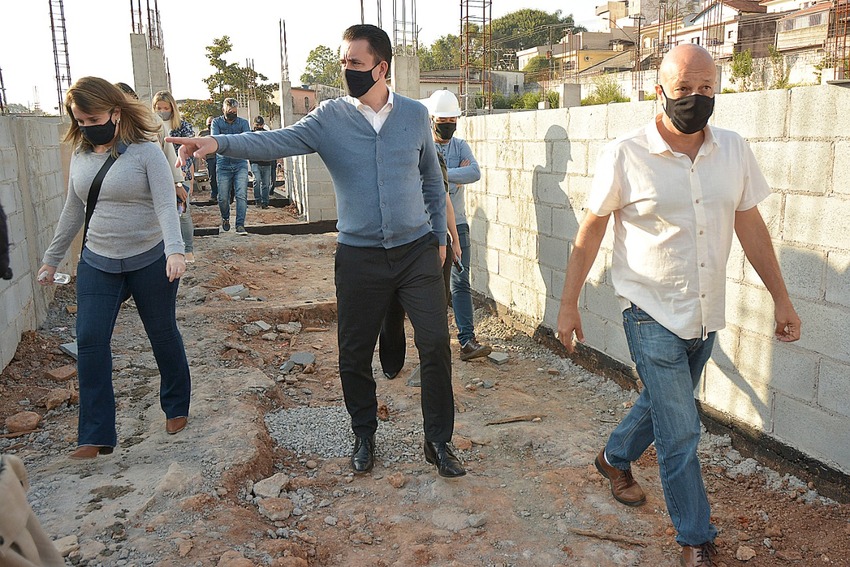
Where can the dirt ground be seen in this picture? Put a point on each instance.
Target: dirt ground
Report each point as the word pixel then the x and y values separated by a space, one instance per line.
pixel 532 496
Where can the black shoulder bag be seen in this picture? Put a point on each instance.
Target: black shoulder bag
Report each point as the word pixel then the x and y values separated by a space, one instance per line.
pixel 94 192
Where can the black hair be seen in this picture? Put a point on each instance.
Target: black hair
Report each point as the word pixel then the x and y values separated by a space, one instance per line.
pixel 127 89
pixel 379 41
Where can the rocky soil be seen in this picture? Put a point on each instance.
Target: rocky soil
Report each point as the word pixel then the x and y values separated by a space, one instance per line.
pixel 260 476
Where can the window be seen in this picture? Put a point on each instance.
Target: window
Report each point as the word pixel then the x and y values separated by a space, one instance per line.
pixel 516 89
pixel 729 34
pixel 306 103
pixel 695 40
pixel 815 19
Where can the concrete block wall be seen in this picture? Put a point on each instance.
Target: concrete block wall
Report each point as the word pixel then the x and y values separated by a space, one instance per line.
pixel 311 188
pixel 33 182
pixel 537 169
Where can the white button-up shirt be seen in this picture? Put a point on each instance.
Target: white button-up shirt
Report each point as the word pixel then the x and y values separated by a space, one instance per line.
pixel 376 119
pixel 673 222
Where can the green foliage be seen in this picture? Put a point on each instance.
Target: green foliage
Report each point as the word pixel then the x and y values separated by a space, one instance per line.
pixel 606 90
pixel 229 80
pixel 727 90
pixel 528 28
pixel 743 69
pixel 649 96
pixel 781 70
pixel 323 67
pixel 531 100
pixel 535 66
pixel 444 53
pixel 196 111
pixel 502 101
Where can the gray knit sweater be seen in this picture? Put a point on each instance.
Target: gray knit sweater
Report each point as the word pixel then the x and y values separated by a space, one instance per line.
pixel 136 209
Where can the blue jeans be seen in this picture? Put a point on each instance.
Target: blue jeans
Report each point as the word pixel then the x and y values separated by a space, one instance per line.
pixel 233 178
pixel 213 178
pixel 262 183
pixel 461 291
pixel 666 413
pixel 99 298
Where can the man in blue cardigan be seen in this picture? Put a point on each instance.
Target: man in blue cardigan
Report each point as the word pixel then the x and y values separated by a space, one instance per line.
pixel 391 205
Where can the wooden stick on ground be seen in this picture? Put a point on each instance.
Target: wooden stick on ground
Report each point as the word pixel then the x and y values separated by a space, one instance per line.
pixel 609 537
pixel 531 417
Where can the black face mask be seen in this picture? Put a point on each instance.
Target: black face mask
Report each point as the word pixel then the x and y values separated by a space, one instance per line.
pixel 445 130
pixel 100 134
pixel 358 83
pixel 689 114
pixel 230 117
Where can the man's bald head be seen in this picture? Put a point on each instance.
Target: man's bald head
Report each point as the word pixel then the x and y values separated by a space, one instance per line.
pixel 687 58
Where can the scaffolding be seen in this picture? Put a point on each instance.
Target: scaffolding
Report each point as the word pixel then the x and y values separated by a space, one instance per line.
pixel 475 54
pixel 4 104
pixel 713 29
pixel 405 31
pixel 60 52
pixel 837 44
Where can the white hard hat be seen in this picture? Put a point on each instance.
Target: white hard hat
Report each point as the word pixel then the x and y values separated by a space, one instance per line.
pixel 442 104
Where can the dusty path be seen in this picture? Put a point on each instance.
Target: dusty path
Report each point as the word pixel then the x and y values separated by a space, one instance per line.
pixel 532 496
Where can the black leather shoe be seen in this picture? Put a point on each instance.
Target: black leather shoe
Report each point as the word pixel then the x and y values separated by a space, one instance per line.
pixel 442 455
pixel 363 455
pixel 390 375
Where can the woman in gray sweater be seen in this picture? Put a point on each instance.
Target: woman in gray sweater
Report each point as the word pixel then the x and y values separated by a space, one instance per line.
pixel 132 247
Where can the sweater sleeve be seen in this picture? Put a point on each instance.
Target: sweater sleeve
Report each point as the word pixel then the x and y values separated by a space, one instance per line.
pixel 70 222
pixel 164 203
pixel 465 174
pixel 433 189
pixel 303 137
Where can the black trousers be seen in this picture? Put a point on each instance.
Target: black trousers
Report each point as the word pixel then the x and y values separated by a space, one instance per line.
pixel 367 279
pixel 392 344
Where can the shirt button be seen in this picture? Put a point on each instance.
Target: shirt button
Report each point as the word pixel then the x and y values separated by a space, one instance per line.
pixel 697 201
pixel 701 232
pixel 382 183
pixel 702 265
pixel 702 295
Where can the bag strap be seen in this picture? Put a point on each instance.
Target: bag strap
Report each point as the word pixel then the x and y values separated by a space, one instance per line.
pixel 94 192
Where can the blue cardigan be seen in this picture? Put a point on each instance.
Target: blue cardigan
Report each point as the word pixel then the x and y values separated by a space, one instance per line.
pixel 388 185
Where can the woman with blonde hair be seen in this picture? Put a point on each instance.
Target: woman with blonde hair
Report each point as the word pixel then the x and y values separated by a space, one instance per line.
pixel 121 191
pixel 165 106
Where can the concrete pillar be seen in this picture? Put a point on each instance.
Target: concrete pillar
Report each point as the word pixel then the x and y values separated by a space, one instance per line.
pixel 569 94
pixel 285 103
pixel 405 76
pixel 141 69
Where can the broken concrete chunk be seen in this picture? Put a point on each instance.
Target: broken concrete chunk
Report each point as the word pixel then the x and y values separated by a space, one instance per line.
pixel 272 487
pixel 287 366
pixel 291 328
pixel 70 349
pixel 263 325
pixel 63 373
pixel 269 336
pixel 415 378
pixel 234 291
pixel 251 329
pixel 303 358
pixel 498 357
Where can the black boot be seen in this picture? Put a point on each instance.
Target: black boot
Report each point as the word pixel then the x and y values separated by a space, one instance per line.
pixel 363 455
pixel 442 455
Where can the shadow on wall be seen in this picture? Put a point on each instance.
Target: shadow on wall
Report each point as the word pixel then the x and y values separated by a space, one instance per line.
pixel 557 223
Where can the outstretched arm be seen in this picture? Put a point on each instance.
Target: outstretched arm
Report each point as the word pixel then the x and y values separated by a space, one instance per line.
pixel 582 256
pixel 755 240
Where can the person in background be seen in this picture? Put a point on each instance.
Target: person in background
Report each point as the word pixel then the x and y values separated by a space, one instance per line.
pixel 166 108
pixel 462 168
pixel 391 206
pixel 678 189
pixel 167 148
pixel 232 172
pixel 132 248
pixel 210 163
pixel 262 170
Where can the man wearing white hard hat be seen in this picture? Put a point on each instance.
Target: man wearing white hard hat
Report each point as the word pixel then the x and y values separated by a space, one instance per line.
pixel 462 169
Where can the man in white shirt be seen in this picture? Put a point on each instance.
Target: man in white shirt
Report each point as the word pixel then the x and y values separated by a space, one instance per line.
pixel 677 189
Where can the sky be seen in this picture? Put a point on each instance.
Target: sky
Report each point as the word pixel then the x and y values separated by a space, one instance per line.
pixel 98 33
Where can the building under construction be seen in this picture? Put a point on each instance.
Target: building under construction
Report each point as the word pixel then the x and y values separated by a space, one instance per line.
pixel 476 85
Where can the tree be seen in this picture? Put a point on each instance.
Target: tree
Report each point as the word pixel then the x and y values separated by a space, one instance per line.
pixel 323 67
pixel 444 53
pixel 529 28
pixel 742 69
pixel 229 80
pixel 536 69
pixel 196 111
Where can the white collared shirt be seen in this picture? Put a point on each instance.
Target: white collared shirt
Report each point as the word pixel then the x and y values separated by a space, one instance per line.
pixel 376 119
pixel 673 222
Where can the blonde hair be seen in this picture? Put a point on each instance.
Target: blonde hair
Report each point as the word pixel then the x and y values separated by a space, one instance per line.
pixel 94 95
pixel 165 96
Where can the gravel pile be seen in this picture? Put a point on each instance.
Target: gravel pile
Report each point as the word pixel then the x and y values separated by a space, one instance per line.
pixel 326 432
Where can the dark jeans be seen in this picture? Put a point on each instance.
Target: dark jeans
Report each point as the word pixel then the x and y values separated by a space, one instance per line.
pixel 461 293
pixel 392 343
pixel 213 178
pixel 99 298
pixel 366 281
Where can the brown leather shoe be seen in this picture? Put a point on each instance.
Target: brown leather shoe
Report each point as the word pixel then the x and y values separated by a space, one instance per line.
pixel 624 487
pixel 699 556
pixel 176 424
pixel 88 452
